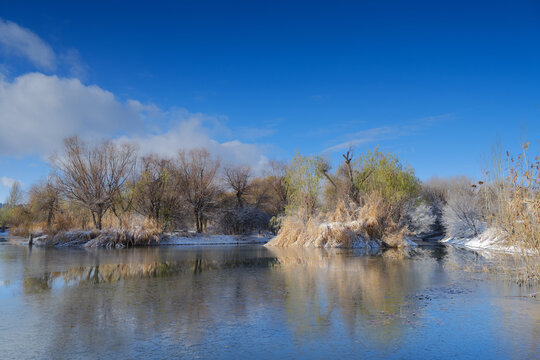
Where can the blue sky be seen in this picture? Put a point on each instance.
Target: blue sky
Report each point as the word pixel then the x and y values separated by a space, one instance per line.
pixel 438 83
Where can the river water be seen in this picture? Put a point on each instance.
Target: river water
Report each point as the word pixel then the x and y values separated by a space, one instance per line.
pixel 249 302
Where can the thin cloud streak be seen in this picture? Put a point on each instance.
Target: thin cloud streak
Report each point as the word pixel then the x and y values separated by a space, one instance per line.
pixel 387 132
pixel 19 41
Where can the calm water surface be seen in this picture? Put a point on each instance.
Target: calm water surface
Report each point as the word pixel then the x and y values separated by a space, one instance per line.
pixel 253 302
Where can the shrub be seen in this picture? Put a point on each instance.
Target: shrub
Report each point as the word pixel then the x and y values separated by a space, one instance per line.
pixel 243 220
pixel 457 205
pixel 420 216
pixel 462 215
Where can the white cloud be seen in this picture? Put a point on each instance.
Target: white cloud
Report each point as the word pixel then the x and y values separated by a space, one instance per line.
pixel 38 111
pixel 76 67
pixel 194 131
pixel 7 182
pixel 22 42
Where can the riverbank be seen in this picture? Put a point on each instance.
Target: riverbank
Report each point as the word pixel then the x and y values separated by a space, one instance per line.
pixel 114 238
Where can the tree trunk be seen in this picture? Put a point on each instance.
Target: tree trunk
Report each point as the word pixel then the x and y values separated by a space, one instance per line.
pixel 97 217
pixel 239 199
pixel 49 218
pixel 198 222
pixel 118 216
pixel 94 219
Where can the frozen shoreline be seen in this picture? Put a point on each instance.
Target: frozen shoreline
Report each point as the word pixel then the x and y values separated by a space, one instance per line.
pixel 489 240
pixel 115 239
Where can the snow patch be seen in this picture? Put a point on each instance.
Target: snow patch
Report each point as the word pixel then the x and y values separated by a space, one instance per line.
pixel 490 239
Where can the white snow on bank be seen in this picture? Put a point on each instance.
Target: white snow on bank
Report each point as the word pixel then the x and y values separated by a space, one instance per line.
pixel 488 240
pixel 215 240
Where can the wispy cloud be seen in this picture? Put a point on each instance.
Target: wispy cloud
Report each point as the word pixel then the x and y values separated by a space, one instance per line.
pixel 385 132
pixel 76 67
pixel 19 41
pixel 7 182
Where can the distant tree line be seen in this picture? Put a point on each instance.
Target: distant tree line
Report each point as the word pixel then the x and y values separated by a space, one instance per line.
pixel 109 185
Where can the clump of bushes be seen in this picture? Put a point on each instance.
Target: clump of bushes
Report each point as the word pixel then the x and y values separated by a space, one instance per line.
pixel 457 206
pixel 364 202
pixel 243 220
pixel 347 225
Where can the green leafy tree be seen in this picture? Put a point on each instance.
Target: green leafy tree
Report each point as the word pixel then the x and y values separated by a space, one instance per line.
pixel 384 173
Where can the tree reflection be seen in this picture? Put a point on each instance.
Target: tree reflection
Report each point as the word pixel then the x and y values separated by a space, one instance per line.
pixel 103 300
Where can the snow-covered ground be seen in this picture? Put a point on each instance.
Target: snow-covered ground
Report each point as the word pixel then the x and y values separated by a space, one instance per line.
pixel 488 240
pixel 215 240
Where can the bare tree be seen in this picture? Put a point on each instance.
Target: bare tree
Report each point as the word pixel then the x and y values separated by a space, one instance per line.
pixel 276 175
pixel 158 192
pixel 355 180
pixel 94 175
pixel 16 195
pixel 197 171
pixel 123 202
pixel 238 178
pixel 44 199
pixel 324 168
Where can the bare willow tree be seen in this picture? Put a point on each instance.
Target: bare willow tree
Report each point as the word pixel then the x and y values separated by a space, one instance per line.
pixel 276 175
pixel 238 178
pixel 44 199
pixel 93 175
pixel 197 171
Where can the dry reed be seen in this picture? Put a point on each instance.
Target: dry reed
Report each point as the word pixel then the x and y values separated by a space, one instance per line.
pixel 512 201
pixel 348 225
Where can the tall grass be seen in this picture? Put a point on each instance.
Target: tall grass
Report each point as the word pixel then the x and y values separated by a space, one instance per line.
pixel 346 225
pixel 512 200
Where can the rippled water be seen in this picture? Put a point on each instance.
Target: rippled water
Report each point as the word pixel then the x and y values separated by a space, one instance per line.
pixel 253 302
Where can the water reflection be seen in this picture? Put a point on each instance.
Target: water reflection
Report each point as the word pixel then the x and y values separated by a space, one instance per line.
pixel 244 302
